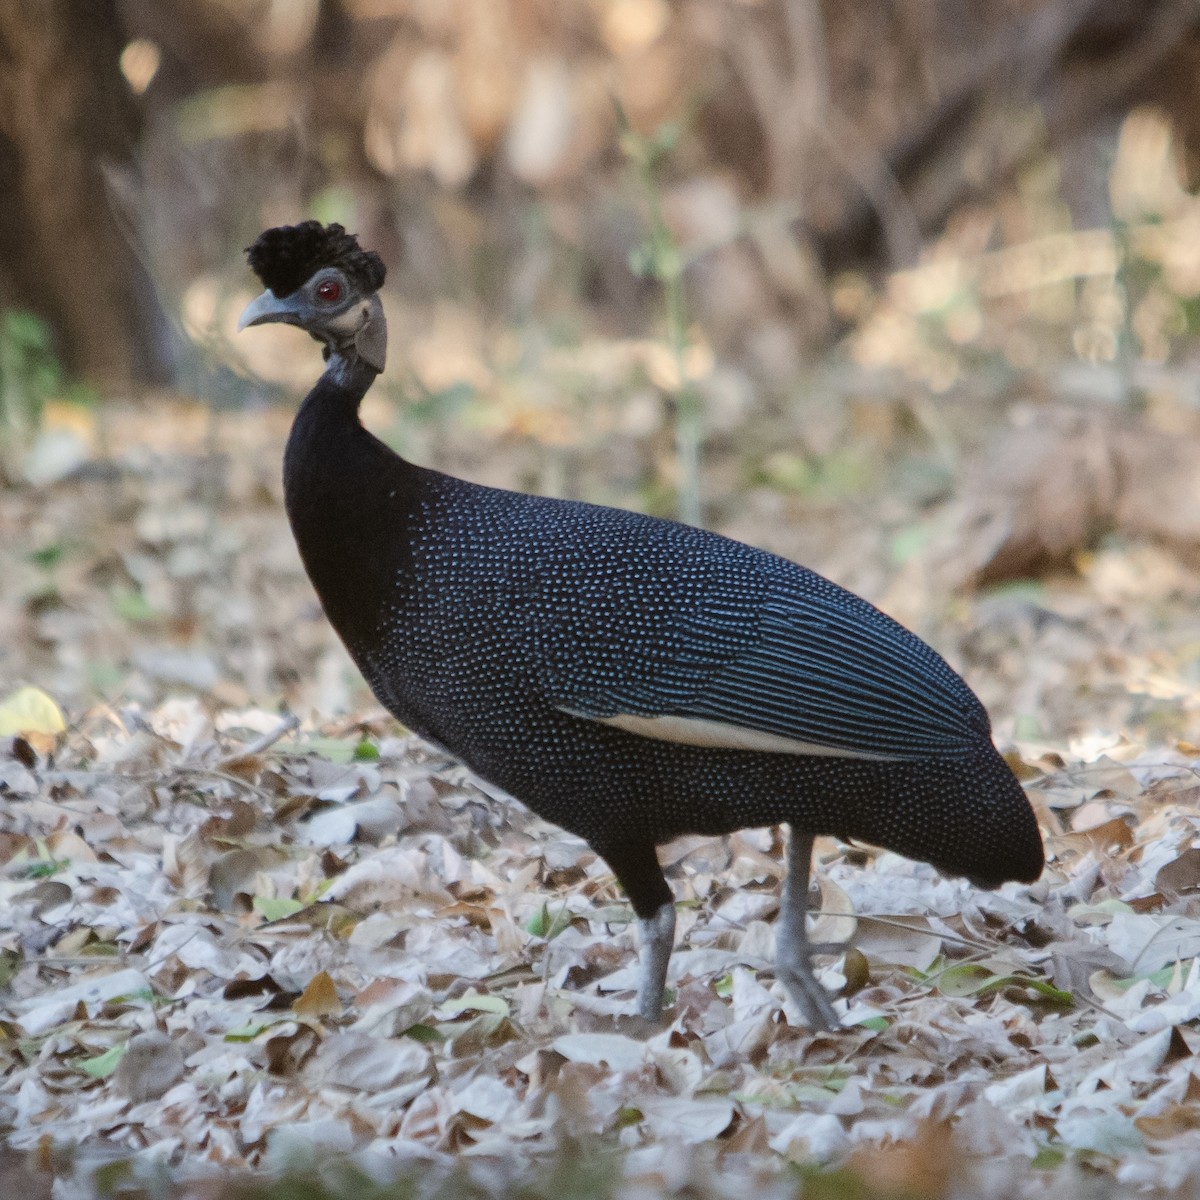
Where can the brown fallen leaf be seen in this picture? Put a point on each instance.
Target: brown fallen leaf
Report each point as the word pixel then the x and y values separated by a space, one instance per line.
pixel 290 1049
pixel 921 1166
pixel 19 748
pixel 319 999
pixel 1181 874
pixel 152 1064
pixel 1114 834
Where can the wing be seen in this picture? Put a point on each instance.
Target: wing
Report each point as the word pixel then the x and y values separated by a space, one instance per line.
pixel 689 637
pixel 843 679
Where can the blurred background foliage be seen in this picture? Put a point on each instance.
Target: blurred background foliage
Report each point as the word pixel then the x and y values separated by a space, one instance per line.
pixel 871 284
pixel 618 227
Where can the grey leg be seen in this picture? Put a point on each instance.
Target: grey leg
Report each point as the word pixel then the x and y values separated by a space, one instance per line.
pixel 658 940
pixel 793 950
pixel 635 864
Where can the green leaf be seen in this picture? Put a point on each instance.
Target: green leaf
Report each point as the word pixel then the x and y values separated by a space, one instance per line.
pixel 112 1175
pixel 1160 978
pixel 483 1029
pixel 10 964
pixel 335 750
pixel 820 1182
pixel 878 1024
pixel 424 1034
pixel 276 909
pixel 103 1065
pixel 99 950
pixel 49 556
pixel 43 870
pixel 974 979
pixel 1048 1157
pixel 547 925
pixel 131 605
pixel 1047 991
pixel 965 979
pixel 366 751
pixel 142 996
pixel 247 1032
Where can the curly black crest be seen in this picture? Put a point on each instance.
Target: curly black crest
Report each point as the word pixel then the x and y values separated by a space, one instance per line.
pixel 286 257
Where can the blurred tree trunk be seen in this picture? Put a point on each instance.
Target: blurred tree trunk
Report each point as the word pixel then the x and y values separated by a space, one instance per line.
pixel 65 115
pixel 1066 70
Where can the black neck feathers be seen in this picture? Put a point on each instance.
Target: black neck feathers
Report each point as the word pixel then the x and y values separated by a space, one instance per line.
pixel 345 493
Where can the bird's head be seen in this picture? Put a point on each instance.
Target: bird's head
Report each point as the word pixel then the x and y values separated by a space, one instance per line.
pixel 318 278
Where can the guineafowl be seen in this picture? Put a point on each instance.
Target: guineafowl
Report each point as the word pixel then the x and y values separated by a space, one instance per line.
pixel 628 678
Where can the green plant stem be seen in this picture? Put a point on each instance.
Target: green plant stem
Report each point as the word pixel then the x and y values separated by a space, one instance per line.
pixel 666 264
pixel 689 424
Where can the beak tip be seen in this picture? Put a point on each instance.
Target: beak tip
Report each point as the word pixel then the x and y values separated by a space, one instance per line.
pixel 264 308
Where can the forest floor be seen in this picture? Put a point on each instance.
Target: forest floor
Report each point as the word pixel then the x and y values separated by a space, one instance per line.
pixel 234 940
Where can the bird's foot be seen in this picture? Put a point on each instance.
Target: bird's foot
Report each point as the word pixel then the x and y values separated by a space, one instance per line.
pixel 793 967
pixel 808 994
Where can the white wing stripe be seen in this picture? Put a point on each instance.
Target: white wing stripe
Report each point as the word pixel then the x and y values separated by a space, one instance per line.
pixel 696 731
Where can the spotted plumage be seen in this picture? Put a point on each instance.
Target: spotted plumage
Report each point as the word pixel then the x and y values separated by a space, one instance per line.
pixel 629 678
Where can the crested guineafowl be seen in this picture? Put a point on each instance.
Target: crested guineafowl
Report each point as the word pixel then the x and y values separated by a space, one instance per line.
pixel 626 677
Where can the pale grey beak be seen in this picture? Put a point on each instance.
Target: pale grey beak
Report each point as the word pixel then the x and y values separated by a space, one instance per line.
pixel 266 308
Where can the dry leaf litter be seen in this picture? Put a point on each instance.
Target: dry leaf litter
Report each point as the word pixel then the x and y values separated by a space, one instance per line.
pixel 229 937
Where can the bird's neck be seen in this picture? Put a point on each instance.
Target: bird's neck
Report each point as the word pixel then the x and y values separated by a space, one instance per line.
pixel 327 440
pixel 342 490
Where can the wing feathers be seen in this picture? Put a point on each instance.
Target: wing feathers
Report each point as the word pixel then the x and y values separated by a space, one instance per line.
pixel 839 696
pixel 838 687
pixel 696 639
pixel 692 731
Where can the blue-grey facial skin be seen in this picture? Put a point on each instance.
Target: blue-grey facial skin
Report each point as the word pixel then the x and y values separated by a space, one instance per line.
pixel 352 327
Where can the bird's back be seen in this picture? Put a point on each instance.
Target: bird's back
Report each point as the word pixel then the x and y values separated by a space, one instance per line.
pixel 530 636
pixel 631 677
pixel 602 612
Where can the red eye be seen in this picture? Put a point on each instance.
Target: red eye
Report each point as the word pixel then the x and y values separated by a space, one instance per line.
pixel 329 290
